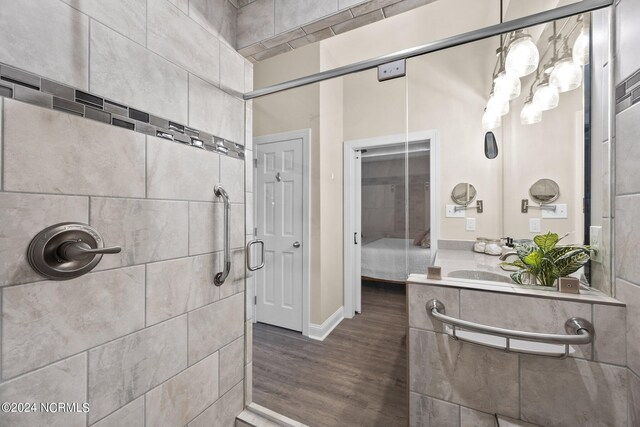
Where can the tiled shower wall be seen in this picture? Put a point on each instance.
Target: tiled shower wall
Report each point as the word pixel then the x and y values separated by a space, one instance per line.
pixel 627 191
pixel 146 338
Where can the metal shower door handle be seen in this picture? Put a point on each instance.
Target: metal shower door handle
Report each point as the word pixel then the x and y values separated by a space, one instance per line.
pixel 222 276
pixel 249 246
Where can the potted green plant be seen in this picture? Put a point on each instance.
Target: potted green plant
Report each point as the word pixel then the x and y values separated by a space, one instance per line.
pixel 544 262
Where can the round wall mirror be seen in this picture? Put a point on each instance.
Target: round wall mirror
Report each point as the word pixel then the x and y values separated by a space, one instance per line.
pixel 463 193
pixel 544 191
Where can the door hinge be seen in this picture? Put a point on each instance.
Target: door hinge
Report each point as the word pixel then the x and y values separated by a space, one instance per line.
pixel 255 163
pixel 255 231
pixel 255 300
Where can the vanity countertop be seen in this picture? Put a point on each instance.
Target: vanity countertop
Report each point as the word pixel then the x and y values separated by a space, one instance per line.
pixel 457 259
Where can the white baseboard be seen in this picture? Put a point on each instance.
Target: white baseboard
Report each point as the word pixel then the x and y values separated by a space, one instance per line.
pixel 320 332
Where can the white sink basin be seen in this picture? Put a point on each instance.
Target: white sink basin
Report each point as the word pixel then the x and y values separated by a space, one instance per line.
pixel 480 275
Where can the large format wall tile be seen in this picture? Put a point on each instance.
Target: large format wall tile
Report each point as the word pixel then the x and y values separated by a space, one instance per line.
pixel 206 331
pixel 628 151
pixel 231 70
pixel 45 37
pixel 427 412
pixel 235 281
pixel 179 400
pixel 627 38
pixel 217 16
pixel 634 398
pixel 70 154
pixel 147 230
pixel 206 227
pixel 125 369
pixel 627 238
pixel 470 375
pixel 180 172
pixel 172 35
pixel 46 321
pixel 128 17
pixel 65 381
pixel 255 22
pixel 630 295
pixel 419 295
pixel 22 216
pixel 523 313
pixel 609 345
pixel 215 111
pixel 231 364
pixel 177 286
pixel 572 392
pixel 471 418
pixel 130 415
pixel 232 178
pixel 237 226
pixel 293 13
pixel 127 72
pixel 223 412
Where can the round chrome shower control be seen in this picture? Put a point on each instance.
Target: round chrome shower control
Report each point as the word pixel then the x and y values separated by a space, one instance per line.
pixel 67 250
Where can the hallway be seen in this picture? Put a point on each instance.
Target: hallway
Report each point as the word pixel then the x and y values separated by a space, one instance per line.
pixel 355 377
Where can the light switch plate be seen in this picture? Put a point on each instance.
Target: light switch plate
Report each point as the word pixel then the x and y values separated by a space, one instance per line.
pixel 450 212
pixel 534 225
pixel 471 224
pixel 595 237
pixel 560 212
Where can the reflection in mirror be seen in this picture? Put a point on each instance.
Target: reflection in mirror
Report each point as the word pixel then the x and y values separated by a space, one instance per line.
pixel 544 191
pixel 490 146
pixel 463 193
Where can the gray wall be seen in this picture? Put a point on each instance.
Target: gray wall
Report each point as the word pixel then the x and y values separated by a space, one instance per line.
pixel 146 337
pixel 627 195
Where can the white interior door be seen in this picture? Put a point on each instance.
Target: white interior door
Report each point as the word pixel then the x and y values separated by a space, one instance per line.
pixel 279 222
pixel 357 238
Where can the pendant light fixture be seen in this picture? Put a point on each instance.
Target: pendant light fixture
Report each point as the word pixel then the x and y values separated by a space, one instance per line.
pixel 522 55
pixel 581 45
pixel 506 85
pixel 531 113
pixel 491 120
pixel 497 105
pixel 546 97
pixel 566 74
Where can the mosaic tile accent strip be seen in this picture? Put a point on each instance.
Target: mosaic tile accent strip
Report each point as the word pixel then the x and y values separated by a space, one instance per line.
pixel 32 89
pixel 628 92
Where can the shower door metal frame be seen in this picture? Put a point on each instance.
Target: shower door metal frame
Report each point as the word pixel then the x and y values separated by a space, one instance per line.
pixel 449 42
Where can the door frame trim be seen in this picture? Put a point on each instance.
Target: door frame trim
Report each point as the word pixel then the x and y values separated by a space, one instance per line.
pixel 349 205
pixel 305 135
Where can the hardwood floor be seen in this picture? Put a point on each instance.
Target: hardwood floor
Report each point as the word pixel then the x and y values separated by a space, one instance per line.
pixel 357 376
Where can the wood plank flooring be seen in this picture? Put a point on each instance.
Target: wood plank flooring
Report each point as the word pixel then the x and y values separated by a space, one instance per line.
pixel 357 376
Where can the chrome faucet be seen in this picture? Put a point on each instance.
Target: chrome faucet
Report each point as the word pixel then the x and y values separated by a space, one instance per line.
pixel 504 257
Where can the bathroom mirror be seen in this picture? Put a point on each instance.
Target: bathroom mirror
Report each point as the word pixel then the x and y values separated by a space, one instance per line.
pixel 544 191
pixel 463 193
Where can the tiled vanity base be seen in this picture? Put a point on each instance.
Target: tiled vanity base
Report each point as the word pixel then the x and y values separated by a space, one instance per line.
pixel 461 384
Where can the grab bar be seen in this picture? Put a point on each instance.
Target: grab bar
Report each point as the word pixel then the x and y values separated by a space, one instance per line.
pixel 249 246
pixel 222 276
pixel 580 331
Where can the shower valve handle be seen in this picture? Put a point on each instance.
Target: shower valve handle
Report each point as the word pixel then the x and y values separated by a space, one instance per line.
pixel 75 251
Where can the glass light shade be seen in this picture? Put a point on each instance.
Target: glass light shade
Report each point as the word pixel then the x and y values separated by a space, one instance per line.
pixel 498 106
pixel 546 97
pixel 566 75
pixel 507 86
pixel 490 120
pixel 523 56
pixel 581 48
pixel 530 114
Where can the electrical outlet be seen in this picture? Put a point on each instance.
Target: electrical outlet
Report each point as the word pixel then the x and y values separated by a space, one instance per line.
pixel 560 212
pixel 534 225
pixel 471 224
pixel 450 212
pixel 595 241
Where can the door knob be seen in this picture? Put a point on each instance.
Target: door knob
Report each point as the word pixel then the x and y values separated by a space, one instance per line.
pixel 296 245
pixel 67 250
